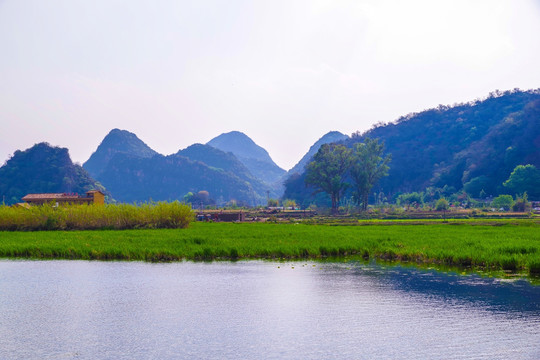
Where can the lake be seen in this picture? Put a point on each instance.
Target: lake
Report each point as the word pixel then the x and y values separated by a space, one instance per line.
pixel 261 310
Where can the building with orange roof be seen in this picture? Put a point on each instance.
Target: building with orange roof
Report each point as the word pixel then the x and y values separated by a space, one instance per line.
pixel 91 197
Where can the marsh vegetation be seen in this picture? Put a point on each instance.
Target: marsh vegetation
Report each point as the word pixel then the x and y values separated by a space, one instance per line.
pixel 507 245
pixel 91 217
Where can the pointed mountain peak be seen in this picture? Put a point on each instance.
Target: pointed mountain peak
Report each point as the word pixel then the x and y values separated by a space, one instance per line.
pixel 116 141
pixel 241 145
pixel 124 140
pixel 254 157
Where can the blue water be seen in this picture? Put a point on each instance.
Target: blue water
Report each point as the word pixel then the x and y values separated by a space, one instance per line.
pixel 260 310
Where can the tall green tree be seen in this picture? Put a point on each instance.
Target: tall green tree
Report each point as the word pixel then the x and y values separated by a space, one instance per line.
pixel 503 201
pixel 369 165
pixel 327 171
pixel 524 178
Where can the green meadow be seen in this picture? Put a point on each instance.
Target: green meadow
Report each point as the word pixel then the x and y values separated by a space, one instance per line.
pixel 491 245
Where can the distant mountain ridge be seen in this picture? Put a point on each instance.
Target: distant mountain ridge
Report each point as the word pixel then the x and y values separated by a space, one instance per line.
pixel 132 171
pixel 452 146
pixel 116 141
pixel 43 169
pixel 477 143
pixel 216 158
pixel 254 157
pixel 166 178
pixel 226 161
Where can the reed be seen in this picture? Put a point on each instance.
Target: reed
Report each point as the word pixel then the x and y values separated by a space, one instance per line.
pixel 90 217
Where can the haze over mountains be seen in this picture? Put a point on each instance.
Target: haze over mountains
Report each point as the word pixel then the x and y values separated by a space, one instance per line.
pixel 254 157
pixel 473 146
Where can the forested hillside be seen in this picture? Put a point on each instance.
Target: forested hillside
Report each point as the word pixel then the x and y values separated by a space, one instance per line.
pixel 131 178
pixel 132 171
pixel 116 141
pixel 228 162
pixel 479 142
pixel 43 169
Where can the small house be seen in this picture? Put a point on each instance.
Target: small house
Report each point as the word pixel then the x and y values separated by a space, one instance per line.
pixel 91 197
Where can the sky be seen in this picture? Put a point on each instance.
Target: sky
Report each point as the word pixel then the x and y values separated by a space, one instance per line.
pixel 284 72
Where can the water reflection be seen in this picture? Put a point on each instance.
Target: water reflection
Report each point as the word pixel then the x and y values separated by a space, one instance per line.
pixel 492 294
pixel 120 310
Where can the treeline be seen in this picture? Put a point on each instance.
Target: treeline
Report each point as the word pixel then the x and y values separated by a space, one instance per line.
pixel 433 199
pixel 522 185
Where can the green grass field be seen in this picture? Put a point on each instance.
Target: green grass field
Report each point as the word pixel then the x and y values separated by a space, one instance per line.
pixel 511 245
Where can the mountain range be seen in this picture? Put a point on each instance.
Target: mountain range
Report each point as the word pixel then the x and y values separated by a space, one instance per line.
pixel 135 172
pixel 472 146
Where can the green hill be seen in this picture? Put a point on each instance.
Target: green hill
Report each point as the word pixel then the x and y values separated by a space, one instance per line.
pixel 226 161
pixel 116 141
pixel 216 158
pixel 454 145
pixel 43 169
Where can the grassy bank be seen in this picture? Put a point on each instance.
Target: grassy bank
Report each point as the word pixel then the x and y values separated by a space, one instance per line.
pixel 497 245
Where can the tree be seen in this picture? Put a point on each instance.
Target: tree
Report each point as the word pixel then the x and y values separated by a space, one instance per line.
pixel 368 167
pixel 522 204
pixel 187 198
pixel 431 194
pixel 524 178
pixel 273 203
pixel 198 199
pixel 409 199
pixel 503 202
pixel 288 203
pixel 327 171
pixel 441 205
pixel 478 185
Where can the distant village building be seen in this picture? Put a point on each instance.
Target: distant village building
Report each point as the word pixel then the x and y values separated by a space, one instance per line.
pixel 91 197
pixel 225 216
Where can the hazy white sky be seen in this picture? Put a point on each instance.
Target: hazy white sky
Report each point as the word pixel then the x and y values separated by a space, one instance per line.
pixel 283 72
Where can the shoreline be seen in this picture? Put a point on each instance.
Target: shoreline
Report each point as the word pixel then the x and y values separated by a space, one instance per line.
pixel 510 246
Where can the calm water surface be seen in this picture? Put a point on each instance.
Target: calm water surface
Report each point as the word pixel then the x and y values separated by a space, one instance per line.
pixel 260 310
